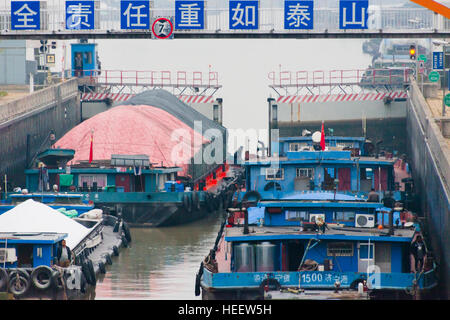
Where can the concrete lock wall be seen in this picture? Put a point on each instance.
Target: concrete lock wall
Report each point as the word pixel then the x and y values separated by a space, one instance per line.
pixel 430 164
pixel 55 108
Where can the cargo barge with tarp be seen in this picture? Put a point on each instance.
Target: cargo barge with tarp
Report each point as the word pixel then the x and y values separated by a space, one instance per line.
pixel 147 160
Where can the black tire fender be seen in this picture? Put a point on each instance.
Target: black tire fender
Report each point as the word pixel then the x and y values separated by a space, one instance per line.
pixel 126 232
pixel 4 279
pixel 19 282
pixel 187 202
pixel 116 251
pixel 251 194
pixel 124 242
pixel 196 200
pixel 108 259
pixel 101 267
pixel 86 272
pixel 92 272
pixel 38 273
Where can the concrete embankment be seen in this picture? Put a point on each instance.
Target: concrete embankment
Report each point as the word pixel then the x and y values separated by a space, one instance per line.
pixel 29 119
pixel 429 152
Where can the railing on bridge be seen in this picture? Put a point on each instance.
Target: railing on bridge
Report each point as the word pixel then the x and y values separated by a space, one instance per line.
pixel 177 79
pixel 383 19
pixel 366 77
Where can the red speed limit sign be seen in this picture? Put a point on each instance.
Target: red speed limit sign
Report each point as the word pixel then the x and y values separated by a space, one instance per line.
pixel 162 28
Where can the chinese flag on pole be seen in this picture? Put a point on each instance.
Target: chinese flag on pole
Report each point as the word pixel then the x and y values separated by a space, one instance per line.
pixel 91 150
pixel 322 138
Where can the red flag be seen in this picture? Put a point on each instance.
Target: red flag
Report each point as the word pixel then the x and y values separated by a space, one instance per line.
pixel 91 151
pixel 322 138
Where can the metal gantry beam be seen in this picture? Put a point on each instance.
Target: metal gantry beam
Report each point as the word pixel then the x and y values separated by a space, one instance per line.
pixel 384 22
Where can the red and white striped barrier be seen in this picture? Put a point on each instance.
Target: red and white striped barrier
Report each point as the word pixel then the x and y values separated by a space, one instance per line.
pixel 374 96
pixel 118 97
pixel 196 99
pixel 102 96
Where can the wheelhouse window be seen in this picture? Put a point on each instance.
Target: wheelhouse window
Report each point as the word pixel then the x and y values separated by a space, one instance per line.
pixel 340 249
pixel 304 172
pixel 345 145
pixel 89 179
pixel 297 146
pixel 296 215
pixel 345 216
pixel 274 174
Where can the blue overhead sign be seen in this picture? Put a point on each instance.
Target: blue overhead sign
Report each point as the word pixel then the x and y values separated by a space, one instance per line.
pixel 438 60
pixel 298 14
pixel 25 15
pixel 243 15
pixel 189 14
pixel 80 15
pixel 134 14
pixel 353 14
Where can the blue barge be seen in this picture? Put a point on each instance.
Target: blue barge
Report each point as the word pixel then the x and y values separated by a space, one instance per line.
pixel 70 203
pixel 306 228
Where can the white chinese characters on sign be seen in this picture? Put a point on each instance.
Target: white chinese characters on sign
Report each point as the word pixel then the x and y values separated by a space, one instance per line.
pixel 298 14
pixel 243 14
pixel 25 15
pixel 353 14
pixel 80 15
pixel 135 15
pixel 190 15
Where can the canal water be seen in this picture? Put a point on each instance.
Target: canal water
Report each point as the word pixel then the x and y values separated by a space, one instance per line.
pixel 160 263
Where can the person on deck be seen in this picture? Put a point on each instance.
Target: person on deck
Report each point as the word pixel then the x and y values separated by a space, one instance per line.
pixel 64 255
pixel 373 196
pixel 321 225
pixel 419 251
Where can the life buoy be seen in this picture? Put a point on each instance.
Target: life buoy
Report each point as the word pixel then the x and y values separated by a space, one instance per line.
pixel 19 282
pixel 4 279
pixel 196 200
pixel 42 277
pixel 116 251
pixel 124 242
pixel 126 232
pixel 101 267
pixel 187 203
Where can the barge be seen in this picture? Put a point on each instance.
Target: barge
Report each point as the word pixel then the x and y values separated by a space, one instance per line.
pixel 30 236
pixel 321 221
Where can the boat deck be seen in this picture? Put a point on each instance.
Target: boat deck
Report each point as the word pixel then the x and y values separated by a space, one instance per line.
pixel 316 295
pixel 266 232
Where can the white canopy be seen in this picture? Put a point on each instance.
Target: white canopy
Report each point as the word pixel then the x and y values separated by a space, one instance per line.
pixel 33 216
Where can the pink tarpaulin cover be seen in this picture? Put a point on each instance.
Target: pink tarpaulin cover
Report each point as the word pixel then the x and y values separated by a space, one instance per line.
pixel 133 130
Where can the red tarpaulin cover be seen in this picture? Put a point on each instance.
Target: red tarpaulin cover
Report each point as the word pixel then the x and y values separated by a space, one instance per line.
pixel 133 130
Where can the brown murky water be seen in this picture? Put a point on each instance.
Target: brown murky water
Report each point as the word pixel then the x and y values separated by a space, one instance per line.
pixel 160 263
